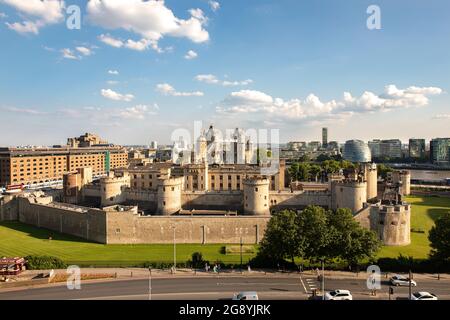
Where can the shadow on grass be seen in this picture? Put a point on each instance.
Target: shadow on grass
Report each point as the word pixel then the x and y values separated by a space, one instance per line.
pixel 436 213
pixel 41 233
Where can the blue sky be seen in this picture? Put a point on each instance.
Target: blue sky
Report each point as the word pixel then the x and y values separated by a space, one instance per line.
pixel 255 64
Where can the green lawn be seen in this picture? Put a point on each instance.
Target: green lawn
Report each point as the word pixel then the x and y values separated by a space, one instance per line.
pixel 20 240
pixel 17 239
pixel 425 210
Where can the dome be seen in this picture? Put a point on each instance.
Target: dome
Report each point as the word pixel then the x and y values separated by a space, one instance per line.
pixel 357 151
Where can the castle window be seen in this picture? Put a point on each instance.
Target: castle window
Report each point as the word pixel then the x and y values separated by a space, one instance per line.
pixel 173 189
pixel 118 230
pixel 164 203
pixel 238 186
pixel 265 197
pixel 256 189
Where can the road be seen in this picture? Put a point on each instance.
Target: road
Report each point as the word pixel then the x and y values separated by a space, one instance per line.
pixel 216 288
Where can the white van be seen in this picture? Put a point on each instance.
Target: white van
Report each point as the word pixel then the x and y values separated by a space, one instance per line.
pixel 246 295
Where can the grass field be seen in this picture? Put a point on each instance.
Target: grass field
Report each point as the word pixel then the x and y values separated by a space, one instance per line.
pixel 425 210
pixel 17 239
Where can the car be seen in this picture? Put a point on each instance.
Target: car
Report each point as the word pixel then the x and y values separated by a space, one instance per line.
pixel 338 295
pixel 423 295
pixel 246 295
pixel 399 280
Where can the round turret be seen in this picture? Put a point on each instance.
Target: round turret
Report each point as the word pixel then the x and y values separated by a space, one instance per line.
pixel 256 196
pixel 112 189
pixel 169 195
pixel 394 225
pixel 371 178
pixel 348 194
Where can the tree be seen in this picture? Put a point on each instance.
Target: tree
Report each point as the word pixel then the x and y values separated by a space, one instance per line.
pixel 439 237
pixel 281 239
pixel 348 239
pixel 383 170
pixel 299 171
pixel 314 171
pixel 313 232
pixel 331 166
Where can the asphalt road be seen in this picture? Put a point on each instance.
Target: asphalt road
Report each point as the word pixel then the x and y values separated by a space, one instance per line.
pixel 217 288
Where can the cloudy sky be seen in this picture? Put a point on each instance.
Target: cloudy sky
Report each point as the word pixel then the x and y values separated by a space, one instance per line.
pixel 138 70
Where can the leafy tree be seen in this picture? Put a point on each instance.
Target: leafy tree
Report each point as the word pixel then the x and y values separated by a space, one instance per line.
pixel 439 237
pixel 313 230
pixel 299 171
pixel 348 239
pixel 331 166
pixel 323 157
pixel 281 239
pixel 383 170
pixel 314 171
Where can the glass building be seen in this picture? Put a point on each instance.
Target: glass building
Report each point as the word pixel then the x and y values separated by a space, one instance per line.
pixel 416 148
pixel 357 151
pixel 440 150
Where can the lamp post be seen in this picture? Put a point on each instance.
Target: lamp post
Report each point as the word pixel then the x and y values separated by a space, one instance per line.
pixel 174 249
pixel 241 253
pixel 150 283
pixel 323 280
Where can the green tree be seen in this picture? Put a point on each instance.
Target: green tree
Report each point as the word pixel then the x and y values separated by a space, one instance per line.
pixel 281 238
pixel 439 237
pixel 313 232
pixel 314 171
pixel 299 171
pixel 331 166
pixel 348 239
pixel 383 170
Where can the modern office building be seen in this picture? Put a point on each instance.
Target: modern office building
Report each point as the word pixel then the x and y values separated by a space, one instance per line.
pixel 357 151
pixel 386 148
pixel 440 151
pixel 324 137
pixel 416 148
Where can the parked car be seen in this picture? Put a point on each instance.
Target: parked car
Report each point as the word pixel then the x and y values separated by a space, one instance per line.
pixel 423 295
pixel 338 295
pixel 246 295
pixel 399 280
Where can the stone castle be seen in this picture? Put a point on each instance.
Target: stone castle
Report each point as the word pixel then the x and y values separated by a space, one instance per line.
pixel 206 203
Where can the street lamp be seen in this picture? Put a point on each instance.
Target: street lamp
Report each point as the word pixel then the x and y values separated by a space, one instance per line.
pixel 323 280
pixel 241 253
pixel 174 249
pixel 150 283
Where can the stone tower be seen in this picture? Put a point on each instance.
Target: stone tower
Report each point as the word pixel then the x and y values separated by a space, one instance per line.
pixel 394 224
pixel 348 194
pixel 404 178
pixel 112 189
pixel 169 195
pixel 371 177
pixel 256 196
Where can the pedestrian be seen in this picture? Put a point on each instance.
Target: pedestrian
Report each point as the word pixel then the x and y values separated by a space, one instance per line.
pixel 249 269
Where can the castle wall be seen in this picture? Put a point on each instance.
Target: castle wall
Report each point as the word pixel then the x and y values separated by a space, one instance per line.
pixel 130 228
pixel 85 223
pixel 350 195
pixel 8 208
pixel 299 200
pixel 394 227
pixel 231 200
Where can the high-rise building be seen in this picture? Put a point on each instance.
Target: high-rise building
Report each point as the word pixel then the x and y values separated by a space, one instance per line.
pixel 357 151
pixel 440 151
pixel 416 148
pixel 386 148
pixel 324 137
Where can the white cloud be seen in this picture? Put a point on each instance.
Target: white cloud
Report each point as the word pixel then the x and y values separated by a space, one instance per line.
pixel 151 19
pixel 139 112
pixel 69 54
pixel 112 82
pixel 24 110
pixel 212 79
pixel 3 15
pixel 313 109
pixel 140 45
pixel 168 90
pixel 105 38
pixel 113 72
pixel 24 27
pixel 442 116
pixel 214 5
pixel 191 55
pixel 37 13
pixel 84 51
pixel 112 95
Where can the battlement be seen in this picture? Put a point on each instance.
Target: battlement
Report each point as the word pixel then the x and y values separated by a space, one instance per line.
pixel 390 209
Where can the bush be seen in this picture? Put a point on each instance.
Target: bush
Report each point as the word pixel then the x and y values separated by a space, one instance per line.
pixel 44 263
